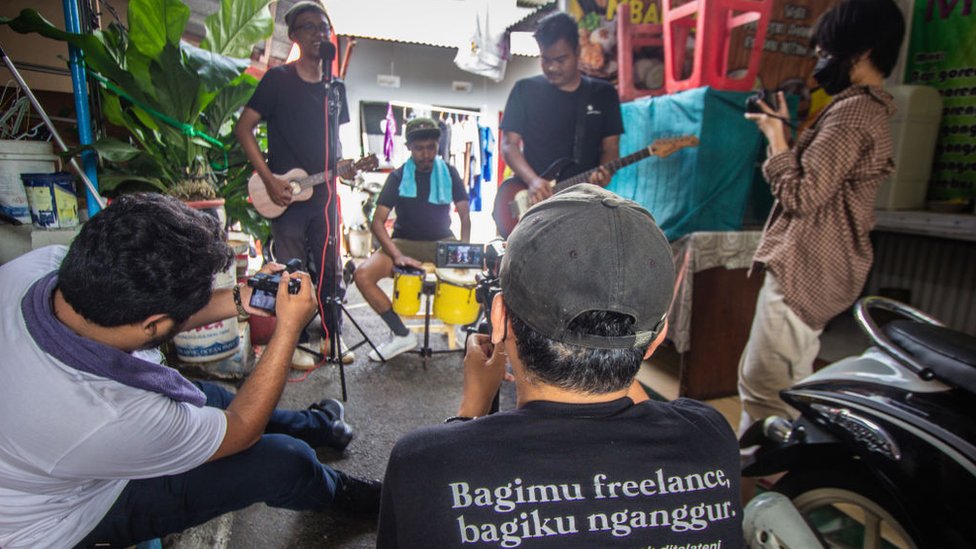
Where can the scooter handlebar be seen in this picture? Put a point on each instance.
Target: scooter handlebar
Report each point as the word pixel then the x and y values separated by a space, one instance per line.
pixel 862 312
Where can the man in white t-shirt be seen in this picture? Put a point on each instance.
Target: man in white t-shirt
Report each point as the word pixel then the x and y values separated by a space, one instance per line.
pixel 102 444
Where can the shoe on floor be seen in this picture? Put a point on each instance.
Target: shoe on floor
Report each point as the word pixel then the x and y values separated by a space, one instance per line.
pixel 347 356
pixel 396 346
pixel 357 496
pixel 342 433
pixel 301 360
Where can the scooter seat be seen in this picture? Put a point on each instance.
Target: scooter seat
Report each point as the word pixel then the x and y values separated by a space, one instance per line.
pixel 951 355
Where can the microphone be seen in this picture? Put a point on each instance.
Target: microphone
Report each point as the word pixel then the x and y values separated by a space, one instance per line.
pixel 327 52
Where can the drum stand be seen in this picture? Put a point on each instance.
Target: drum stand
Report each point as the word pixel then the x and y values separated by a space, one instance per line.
pixel 429 287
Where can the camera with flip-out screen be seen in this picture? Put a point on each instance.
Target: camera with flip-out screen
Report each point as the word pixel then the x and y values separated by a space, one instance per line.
pixel 488 282
pixel 459 255
pixel 265 286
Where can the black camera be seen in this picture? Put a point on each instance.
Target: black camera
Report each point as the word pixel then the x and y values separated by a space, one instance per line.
pixel 769 97
pixel 265 286
pixel 488 283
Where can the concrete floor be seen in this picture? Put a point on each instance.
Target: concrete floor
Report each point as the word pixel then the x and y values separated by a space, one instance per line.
pixel 384 402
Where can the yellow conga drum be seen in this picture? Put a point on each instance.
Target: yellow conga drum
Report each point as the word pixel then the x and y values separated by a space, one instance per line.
pixel 454 301
pixel 408 283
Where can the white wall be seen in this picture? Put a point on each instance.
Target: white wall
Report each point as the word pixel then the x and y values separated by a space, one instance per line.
pixel 426 74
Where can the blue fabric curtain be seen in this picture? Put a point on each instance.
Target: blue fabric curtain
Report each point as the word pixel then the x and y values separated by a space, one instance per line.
pixel 705 188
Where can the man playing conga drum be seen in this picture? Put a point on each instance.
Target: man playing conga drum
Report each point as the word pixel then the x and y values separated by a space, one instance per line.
pixel 421 191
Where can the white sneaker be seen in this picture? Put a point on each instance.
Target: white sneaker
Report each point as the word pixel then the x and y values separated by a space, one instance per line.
pixel 396 346
pixel 347 356
pixel 300 360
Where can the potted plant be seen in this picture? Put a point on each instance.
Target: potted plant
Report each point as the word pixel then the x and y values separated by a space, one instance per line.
pixel 177 102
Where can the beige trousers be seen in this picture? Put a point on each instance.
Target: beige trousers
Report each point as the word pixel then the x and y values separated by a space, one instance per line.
pixel 780 352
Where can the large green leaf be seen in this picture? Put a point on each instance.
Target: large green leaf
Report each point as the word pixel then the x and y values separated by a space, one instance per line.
pixel 177 85
pixel 226 103
pixel 212 69
pixel 155 23
pixel 138 66
pixel 110 149
pixel 237 26
pixel 116 41
pixel 112 109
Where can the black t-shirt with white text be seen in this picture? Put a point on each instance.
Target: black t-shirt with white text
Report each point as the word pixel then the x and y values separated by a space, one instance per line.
pixel 558 475
pixel 295 113
pixel 417 218
pixel 545 117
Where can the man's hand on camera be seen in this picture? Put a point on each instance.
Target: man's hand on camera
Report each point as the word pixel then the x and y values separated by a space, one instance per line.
pixel 294 310
pixel 484 370
pixel 247 291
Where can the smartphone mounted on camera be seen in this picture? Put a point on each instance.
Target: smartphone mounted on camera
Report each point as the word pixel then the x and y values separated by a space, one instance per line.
pixel 459 255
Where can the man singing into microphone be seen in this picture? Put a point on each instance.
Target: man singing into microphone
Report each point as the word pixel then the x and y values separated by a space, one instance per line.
pixel 291 99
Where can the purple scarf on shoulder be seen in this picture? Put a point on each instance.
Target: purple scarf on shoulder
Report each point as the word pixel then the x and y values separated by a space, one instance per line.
pixel 84 354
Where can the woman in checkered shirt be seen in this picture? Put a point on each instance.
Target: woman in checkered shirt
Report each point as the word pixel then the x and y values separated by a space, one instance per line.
pixel 815 250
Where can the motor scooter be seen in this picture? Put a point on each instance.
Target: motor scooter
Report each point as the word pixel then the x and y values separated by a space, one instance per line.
pixel 883 453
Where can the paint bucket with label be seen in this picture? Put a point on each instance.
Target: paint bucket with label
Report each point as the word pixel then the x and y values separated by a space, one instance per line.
pixel 53 204
pixel 220 339
pixel 212 341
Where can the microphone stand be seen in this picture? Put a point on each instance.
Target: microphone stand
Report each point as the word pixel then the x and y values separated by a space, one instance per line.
pixel 333 109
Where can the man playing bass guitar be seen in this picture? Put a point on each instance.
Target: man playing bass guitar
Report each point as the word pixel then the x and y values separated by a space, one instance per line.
pixel 560 114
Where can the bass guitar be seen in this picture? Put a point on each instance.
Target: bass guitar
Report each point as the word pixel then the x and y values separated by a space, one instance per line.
pixel 513 197
pixel 301 186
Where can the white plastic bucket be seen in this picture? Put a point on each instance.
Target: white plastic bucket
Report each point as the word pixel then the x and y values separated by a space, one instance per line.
pixel 211 341
pixel 17 157
pixel 220 339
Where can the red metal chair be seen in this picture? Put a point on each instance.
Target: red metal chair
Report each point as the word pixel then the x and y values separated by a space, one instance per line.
pixel 631 36
pixel 710 23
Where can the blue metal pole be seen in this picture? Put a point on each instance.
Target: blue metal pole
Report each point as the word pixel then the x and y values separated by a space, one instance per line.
pixel 80 87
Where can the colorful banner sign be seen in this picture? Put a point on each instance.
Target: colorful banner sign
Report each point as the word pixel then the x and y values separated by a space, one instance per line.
pixel 598 39
pixel 942 54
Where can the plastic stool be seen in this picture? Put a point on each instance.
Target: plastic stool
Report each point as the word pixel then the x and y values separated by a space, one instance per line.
pixel 713 22
pixel 630 36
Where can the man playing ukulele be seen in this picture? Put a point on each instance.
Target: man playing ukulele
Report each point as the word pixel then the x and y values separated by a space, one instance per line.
pixel 291 99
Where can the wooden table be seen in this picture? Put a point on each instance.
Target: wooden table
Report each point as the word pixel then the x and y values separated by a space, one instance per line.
pixel 714 302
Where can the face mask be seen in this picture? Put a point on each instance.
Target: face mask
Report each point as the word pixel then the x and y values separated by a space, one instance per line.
pixel 832 74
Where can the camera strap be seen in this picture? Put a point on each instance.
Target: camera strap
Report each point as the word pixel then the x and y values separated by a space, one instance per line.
pixel 582 101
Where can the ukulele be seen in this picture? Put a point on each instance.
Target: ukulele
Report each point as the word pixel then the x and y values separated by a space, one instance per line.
pixel 513 197
pixel 301 186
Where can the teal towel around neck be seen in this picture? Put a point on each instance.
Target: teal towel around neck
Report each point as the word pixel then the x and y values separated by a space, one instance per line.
pixel 440 182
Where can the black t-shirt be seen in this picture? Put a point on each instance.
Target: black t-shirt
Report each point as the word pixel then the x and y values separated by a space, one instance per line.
pixel 417 218
pixel 545 117
pixel 295 113
pixel 560 475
